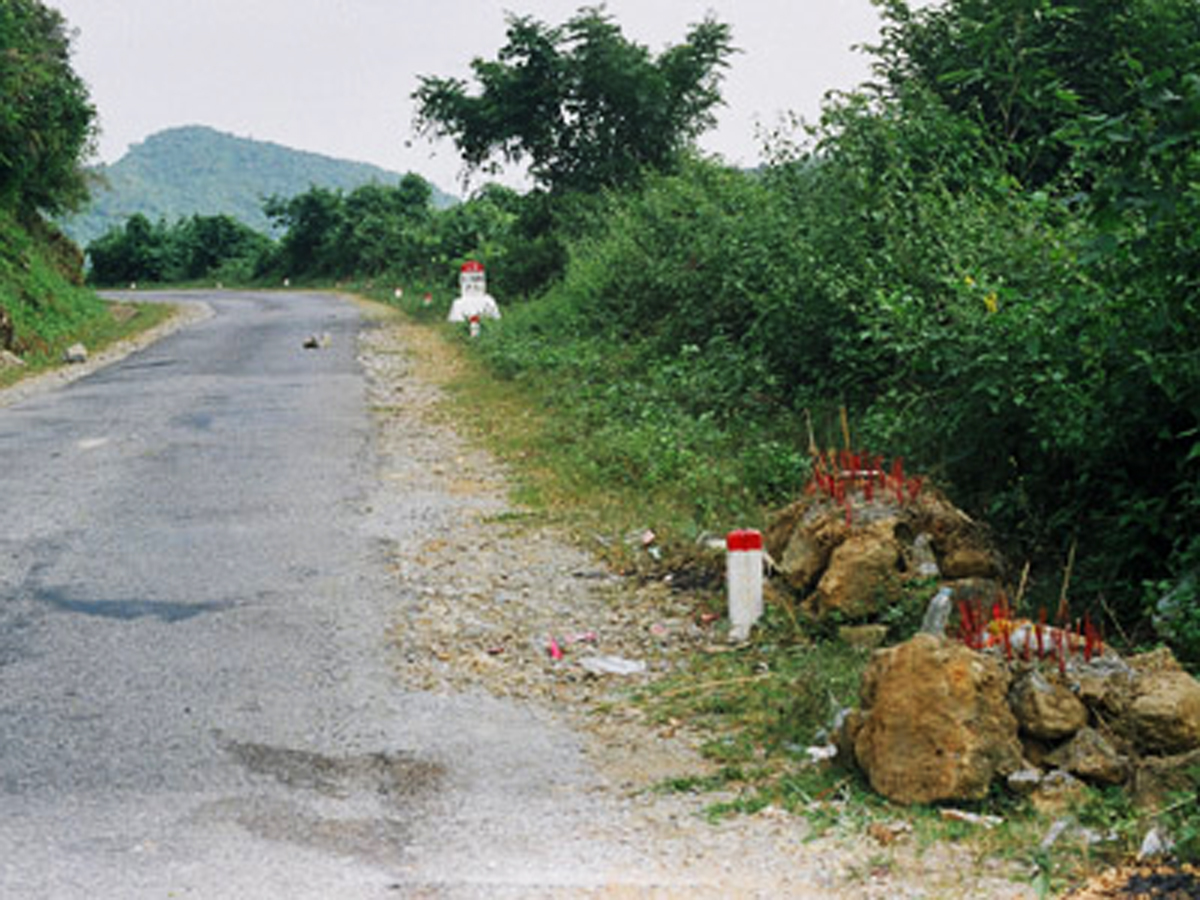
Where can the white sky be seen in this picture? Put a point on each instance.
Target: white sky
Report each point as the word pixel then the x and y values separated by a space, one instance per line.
pixel 335 76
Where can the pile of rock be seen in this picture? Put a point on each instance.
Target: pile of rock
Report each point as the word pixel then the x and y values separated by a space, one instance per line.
pixel 851 559
pixel 940 721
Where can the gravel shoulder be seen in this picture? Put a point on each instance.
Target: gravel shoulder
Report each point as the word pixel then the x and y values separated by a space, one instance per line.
pixel 492 584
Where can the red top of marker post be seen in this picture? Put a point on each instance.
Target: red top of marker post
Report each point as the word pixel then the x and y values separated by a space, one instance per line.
pixel 743 540
pixel 472 266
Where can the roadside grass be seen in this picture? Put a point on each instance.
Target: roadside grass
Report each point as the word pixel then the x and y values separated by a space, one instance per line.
pixel 121 320
pixel 537 432
pixel 758 707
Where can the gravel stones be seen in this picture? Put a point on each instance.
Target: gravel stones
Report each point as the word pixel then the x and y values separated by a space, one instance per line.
pixel 482 588
pixel 490 585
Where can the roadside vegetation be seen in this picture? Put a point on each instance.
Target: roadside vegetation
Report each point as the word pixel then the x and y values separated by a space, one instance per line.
pixel 988 257
pixel 47 124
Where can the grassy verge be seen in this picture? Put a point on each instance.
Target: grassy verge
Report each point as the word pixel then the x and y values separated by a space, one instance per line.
pixel 758 707
pixel 45 307
pixel 540 435
pixel 118 322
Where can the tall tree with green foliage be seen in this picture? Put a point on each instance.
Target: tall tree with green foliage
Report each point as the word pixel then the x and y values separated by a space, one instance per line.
pixel 587 107
pixel 47 122
pixel 1017 195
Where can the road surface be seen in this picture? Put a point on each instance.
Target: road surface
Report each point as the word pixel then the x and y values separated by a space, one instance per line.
pixel 196 698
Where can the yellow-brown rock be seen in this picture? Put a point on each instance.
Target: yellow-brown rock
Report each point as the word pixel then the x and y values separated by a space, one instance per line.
pixel 1088 755
pixel 803 559
pixel 863 574
pixel 969 562
pixel 1164 717
pixel 1045 707
pixel 1058 793
pixel 935 722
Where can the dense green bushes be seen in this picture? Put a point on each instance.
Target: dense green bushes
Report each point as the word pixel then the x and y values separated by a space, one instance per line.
pixel 991 258
pixel 199 247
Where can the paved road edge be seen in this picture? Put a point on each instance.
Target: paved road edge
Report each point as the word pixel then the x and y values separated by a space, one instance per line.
pixel 187 312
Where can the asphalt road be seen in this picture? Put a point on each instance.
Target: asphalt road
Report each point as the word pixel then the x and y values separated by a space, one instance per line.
pixel 196 698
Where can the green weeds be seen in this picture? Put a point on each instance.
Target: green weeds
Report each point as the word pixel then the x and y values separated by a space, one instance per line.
pixel 115 323
pixel 48 309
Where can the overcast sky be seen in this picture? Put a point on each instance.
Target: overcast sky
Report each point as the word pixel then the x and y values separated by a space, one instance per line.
pixel 335 76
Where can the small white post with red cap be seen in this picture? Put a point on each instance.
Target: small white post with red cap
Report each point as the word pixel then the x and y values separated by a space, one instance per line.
pixel 474 301
pixel 744 576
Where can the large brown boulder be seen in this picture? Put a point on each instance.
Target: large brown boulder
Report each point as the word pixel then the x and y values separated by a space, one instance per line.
pixel 969 562
pixel 1088 755
pixel 935 722
pixel 848 560
pixel 806 553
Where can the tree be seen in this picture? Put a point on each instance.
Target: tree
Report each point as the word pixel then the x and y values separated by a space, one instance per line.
pixel 379 223
pixel 588 108
pixel 47 122
pixel 201 245
pixel 192 248
pixel 312 221
pixel 136 252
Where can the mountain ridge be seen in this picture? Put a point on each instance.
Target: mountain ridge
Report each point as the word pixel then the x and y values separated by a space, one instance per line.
pixel 198 170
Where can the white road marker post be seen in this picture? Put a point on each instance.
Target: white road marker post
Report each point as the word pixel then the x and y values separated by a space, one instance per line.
pixel 474 300
pixel 744 577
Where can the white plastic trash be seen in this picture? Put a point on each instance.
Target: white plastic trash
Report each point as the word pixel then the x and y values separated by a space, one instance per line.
pixel 612 665
pixel 937 614
pixel 744 577
pixel 473 306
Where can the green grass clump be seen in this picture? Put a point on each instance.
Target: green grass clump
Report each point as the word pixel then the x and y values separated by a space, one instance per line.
pixel 49 308
pixel 40 289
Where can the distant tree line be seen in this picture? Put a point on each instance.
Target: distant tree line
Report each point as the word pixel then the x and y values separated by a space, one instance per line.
pixel 195 248
pixel 372 231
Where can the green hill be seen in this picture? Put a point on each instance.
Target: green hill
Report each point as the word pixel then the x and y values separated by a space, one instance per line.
pixel 197 170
